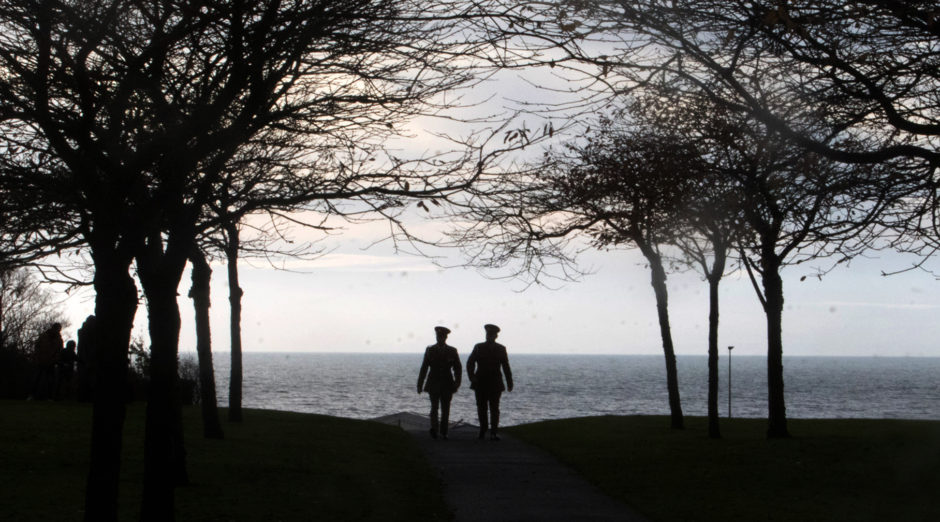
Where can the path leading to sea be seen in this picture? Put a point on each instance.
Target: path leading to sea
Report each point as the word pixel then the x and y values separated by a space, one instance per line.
pixel 508 480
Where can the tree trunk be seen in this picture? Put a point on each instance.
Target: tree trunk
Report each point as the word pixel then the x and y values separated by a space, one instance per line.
pixel 164 453
pixel 3 287
pixel 86 357
pixel 115 307
pixel 235 300
pixel 713 426
pixel 714 279
pixel 200 294
pixel 658 280
pixel 773 308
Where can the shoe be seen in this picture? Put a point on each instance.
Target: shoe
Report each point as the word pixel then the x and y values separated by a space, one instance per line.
pixel 443 436
pixel 482 434
pixel 433 434
pixel 494 436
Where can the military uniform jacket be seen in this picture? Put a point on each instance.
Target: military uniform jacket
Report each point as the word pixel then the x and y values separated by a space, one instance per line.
pixel 486 366
pixel 442 368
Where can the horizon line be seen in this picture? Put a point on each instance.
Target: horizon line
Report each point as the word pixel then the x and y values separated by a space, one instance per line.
pixel 591 354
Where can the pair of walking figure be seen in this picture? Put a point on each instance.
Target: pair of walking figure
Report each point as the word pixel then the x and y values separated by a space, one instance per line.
pixel 441 373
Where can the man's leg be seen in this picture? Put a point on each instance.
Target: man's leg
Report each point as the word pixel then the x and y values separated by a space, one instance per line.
pixel 494 415
pixel 481 411
pixel 435 401
pixel 445 413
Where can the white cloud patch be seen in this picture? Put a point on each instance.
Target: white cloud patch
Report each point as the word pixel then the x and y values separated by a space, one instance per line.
pixel 355 263
pixel 864 304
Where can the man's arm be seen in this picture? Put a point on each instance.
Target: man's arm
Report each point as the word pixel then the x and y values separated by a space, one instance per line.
pixel 472 366
pixel 458 370
pixel 506 370
pixel 424 369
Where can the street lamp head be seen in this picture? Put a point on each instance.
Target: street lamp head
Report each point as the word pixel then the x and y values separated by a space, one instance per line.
pixel 730 348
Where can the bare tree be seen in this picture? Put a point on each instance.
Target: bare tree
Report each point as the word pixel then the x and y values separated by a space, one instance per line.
pixel 615 189
pixel 797 206
pixel 710 214
pixel 130 115
pixel 871 68
pixel 200 294
pixel 630 188
pixel 26 308
pixel 867 69
pixel 232 244
pixel 852 84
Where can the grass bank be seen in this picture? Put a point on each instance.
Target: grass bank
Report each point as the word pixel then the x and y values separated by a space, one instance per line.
pixel 846 470
pixel 276 466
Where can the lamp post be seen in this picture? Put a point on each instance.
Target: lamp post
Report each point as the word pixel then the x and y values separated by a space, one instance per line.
pixel 729 380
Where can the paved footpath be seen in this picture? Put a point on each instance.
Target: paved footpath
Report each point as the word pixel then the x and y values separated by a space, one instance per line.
pixel 508 480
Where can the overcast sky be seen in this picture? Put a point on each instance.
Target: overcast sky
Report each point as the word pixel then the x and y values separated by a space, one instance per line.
pixel 371 300
pixel 355 300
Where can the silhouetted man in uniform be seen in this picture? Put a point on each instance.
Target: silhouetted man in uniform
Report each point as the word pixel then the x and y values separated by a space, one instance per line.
pixel 442 368
pixel 486 380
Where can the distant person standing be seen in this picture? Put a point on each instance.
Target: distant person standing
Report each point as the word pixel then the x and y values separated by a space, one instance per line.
pixel 65 369
pixel 441 366
pixel 485 368
pixel 46 354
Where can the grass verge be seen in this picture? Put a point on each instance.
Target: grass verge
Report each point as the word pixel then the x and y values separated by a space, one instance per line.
pixel 847 470
pixel 275 466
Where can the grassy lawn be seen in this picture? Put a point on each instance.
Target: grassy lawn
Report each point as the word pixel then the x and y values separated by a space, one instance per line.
pixel 276 466
pixel 287 466
pixel 846 470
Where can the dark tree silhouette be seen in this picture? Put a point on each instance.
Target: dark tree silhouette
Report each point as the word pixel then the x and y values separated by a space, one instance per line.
pixel 710 213
pixel 231 247
pixel 617 189
pixel 797 206
pixel 868 69
pixel 200 294
pixel 630 188
pixel 709 251
pixel 249 187
pixel 853 84
pixel 127 118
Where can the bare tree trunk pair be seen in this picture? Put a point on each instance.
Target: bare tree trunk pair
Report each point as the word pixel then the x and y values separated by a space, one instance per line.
pixel 115 308
pixel 200 293
pixel 164 449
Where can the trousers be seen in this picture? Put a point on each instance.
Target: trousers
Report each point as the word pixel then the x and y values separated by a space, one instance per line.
pixel 440 401
pixel 488 400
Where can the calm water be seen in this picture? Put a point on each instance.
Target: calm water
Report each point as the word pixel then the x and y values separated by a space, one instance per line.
pixel 556 386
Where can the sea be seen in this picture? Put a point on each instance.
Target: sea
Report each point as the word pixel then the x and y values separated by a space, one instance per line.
pixel 365 386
